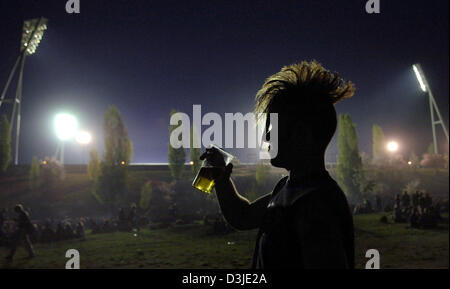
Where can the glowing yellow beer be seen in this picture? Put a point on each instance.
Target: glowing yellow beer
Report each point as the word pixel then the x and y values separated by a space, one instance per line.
pixel 204 181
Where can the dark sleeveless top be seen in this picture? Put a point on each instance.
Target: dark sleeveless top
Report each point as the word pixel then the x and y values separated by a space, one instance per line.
pixel 303 219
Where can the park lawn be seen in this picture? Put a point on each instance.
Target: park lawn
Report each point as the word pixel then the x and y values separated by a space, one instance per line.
pixel 192 246
pixel 400 246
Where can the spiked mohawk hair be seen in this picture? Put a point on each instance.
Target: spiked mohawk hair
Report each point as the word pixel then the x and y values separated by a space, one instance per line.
pixel 305 92
pixel 306 83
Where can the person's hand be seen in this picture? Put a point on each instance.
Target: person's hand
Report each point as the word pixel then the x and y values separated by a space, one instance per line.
pixel 215 159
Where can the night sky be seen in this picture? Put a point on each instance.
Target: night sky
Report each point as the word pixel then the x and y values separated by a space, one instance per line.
pixel 147 57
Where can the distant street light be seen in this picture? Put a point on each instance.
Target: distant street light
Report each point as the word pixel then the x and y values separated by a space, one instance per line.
pixel 83 137
pixel 66 127
pixel 392 146
pixel 433 106
pixel 32 32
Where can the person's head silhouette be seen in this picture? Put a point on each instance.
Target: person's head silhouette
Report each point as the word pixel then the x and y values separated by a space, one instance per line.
pixel 303 95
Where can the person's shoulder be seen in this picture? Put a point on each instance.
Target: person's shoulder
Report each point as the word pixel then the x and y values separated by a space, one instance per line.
pixel 280 185
pixel 322 199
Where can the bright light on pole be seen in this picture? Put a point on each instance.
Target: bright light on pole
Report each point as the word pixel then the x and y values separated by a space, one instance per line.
pixel 66 126
pixel 32 32
pixel 435 119
pixel 83 137
pixel 392 146
pixel 420 78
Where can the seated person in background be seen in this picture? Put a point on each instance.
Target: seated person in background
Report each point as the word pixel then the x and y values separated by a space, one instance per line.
pixel 80 230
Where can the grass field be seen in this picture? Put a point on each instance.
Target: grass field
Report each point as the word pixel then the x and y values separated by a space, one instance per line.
pixel 192 246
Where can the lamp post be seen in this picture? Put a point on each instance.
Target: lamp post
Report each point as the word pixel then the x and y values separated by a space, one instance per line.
pixel 32 32
pixel 433 106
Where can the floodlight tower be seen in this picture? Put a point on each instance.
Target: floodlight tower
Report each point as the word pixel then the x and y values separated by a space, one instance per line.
pixel 433 106
pixel 32 32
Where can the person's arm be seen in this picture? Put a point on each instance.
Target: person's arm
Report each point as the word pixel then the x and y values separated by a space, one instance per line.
pixel 237 210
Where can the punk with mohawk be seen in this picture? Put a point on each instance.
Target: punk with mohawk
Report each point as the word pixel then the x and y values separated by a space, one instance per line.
pixel 305 222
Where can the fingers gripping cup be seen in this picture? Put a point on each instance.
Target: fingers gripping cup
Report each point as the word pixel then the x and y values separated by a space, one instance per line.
pixel 214 162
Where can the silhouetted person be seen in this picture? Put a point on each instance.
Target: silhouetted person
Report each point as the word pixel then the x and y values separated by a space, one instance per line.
pixel 421 201
pixel 122 220
pixel 306 221
pixel 48 235
pixel 378 203
pixel 414 218
pixel 94 226
pixel 132 217
pixel 415 199
pixel 60 233
pixel 406 202
pixel 2 221
pixel 80 232
pixel 427 201
pixel 68 231
pixel 23 232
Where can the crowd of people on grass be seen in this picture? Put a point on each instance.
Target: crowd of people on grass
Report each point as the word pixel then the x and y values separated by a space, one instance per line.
pixel 417 210
pixel 49 230
pixel 19 228
pixel 124 222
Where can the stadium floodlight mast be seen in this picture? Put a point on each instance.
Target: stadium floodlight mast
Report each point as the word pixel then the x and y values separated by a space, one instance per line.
pixel 32 33
pixel 433 106
pixel 66 127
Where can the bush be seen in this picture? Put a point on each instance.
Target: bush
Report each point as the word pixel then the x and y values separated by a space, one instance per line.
pixel 433 161
pixel 52 172
pixel 146 195
pixel 160 202
pixel 94 165
pixel 34 173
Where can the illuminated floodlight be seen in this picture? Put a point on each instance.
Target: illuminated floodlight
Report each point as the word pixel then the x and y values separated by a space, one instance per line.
pixel 410 163
pixel 83 137
pixel 66 126
pixel 436 118
pixel 392 146
pixel 32 33
pixel 420 77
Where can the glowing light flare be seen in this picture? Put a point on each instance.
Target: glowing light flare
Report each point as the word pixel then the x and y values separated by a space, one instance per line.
pixel 83 137
pixel 66 126
pixel 419 77
pixel 392 146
